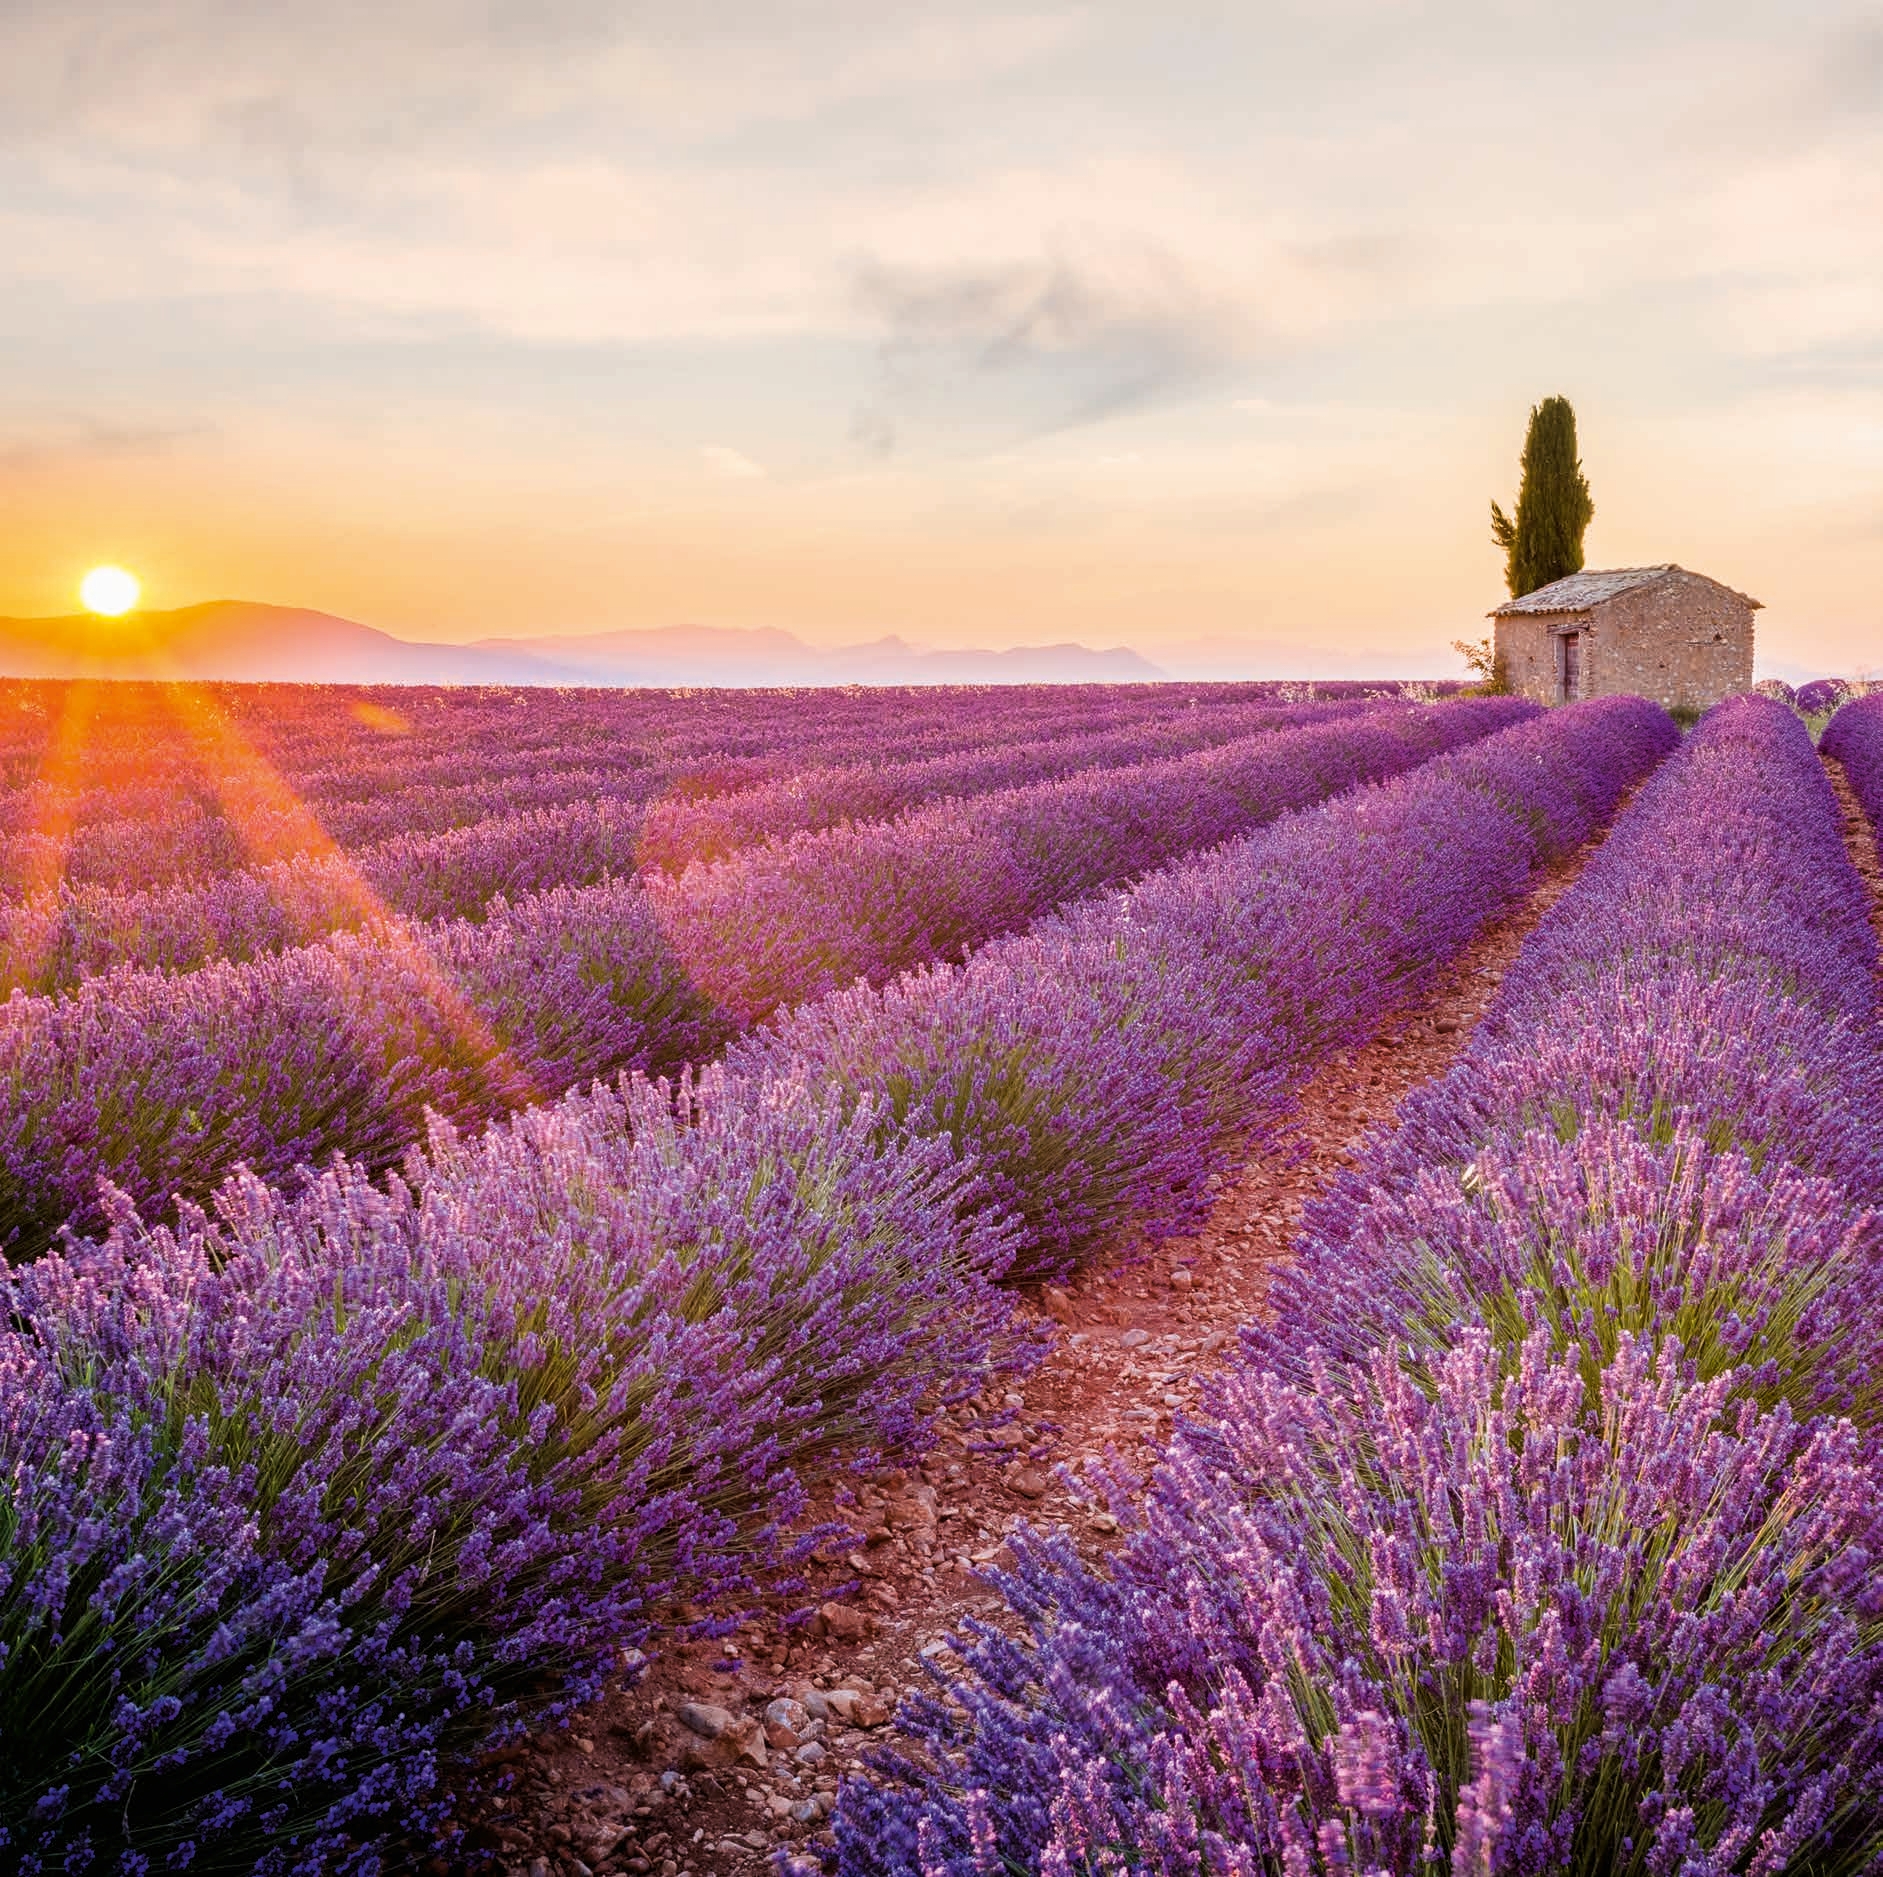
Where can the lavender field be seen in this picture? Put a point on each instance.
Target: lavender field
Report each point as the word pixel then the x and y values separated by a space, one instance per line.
pixel 485 1175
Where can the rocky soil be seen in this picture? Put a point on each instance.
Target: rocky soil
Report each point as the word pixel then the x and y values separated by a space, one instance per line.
pixel 1861 842
pixel 727 1750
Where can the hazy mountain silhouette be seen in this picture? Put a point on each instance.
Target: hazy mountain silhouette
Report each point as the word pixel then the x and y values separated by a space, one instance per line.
pixel 664 655
pixel 246 640
pixel 765 655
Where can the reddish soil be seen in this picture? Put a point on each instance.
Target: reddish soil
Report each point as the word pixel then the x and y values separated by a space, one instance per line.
pixel 631 1788
pixel 1860 839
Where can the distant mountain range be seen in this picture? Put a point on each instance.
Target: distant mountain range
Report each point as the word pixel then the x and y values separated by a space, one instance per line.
pixel 727 655
pixel 240 640
pixel 246 641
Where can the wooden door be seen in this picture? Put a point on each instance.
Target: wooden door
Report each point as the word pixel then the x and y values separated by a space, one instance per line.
pixel 1572 666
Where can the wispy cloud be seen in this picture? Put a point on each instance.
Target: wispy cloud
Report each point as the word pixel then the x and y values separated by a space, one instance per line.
pixel 418 76
pixel 77 442
pixel 1071 337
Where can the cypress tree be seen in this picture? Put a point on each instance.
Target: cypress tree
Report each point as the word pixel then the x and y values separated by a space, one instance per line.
pixel 1543 540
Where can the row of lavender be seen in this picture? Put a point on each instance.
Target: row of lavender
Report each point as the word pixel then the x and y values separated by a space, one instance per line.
pixel 133 784
pixel 1156 1023
pixel 308 1497
pixel 252 818
pixel 164 1083
pixel 1819 698
pixel 1538 1529
pixel 1854 738
pixel 693 732
pixel 335 742
pixel 681 830
pixel 52 940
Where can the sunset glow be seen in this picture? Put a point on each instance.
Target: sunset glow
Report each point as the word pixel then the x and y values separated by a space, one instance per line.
pixel 109 591
pixel 1032 850
pixel 986 326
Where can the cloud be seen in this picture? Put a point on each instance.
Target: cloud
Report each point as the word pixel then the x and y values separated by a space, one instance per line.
pixel 1137 305
pixel 731 465
pixel 1070 336
pixel 83 440
pixel 873 430
pixel 356 79
pixel 1839 76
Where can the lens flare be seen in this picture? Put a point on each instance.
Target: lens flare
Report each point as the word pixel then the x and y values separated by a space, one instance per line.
pixel 109 591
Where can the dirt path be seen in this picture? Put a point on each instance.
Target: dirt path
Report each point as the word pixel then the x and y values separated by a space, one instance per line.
pixel 678 1776
pixel 1860 839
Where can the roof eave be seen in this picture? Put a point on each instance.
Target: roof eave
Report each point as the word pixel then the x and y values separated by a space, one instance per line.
pixel 1515 609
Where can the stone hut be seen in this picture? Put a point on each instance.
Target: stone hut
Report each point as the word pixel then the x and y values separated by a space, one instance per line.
pixel 1661 632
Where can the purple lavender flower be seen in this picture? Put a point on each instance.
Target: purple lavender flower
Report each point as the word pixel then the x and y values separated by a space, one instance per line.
pixel 1821 695
pixel 310 1494
pixel 391 1455
pixel 1570 1611
pixel 1095 1069
pixel 1854 737
pixel 163 1083
pixel 1531 1533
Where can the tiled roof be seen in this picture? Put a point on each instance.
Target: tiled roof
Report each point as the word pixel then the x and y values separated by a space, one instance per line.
pixel 1576 593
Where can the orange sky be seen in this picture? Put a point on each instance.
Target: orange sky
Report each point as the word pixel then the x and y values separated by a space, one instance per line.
pixel 976 326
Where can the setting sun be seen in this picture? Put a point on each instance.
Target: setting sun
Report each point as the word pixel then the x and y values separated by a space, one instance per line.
pixel 109 590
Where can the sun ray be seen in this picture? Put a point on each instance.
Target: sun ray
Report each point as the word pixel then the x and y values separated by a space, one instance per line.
pixel 41 839
pixel 97 725
pixel 78 752
pixel 273 821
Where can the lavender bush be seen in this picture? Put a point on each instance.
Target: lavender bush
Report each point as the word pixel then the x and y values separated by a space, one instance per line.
pixel 793 919
pixel 680 830
pixel 1854 738
pixel 128 786
pixel 164 1083
pixel 1095 1069
pixel 308 1494
pixel 1537 1529
pixel 1574 1612
pixel 1768 1273
pixel 413 1457
pixel 56 938
pixel 1822 695
pixel 1709 982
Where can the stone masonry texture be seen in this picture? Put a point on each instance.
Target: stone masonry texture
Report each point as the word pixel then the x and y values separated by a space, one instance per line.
pixel 1682 640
